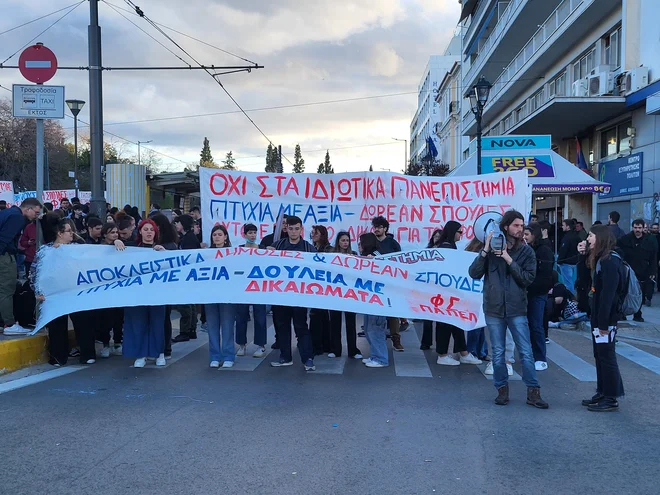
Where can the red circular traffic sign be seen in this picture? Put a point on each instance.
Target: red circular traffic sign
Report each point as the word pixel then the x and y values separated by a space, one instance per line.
pixel 37 63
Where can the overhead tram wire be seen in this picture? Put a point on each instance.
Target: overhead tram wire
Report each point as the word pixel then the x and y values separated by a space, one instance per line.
pixel 37 19
pixel 42 32
pixel 213 76
pixel 132 12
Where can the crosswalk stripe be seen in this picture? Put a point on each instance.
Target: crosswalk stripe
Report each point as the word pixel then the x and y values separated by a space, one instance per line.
pixel 570 363
pixel 41 377
pixel 249 363
pixel 637 356
pixel 330 366
pixel 412 362
pixel 482 367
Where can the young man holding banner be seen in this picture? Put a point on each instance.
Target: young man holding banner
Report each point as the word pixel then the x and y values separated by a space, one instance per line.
pixel 507 273
pixel 285 315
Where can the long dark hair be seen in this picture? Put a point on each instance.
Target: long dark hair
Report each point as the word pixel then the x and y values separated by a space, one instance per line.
pixel 341 234
pixel 449 233
pixel 107 227
pixel 432 244
pixel 474 246
pixel 605 243
pixel 223 229
pixel 535 229
pixel 168 233
pixel 368 244
pixel 323 241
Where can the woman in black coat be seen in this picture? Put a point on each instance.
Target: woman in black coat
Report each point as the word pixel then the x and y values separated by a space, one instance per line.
pixel 609 283
pixel 537 292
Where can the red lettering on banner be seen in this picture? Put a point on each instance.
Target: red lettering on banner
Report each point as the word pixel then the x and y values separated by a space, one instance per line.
pixel 319 190
pixel 264 188
pixel 253 286
pixel 344 190
pixel 292 185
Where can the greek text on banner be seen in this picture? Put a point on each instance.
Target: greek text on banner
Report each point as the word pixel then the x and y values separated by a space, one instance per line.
pixel 430 284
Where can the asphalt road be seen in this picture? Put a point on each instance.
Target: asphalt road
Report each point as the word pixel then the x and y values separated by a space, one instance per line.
pixel 112 429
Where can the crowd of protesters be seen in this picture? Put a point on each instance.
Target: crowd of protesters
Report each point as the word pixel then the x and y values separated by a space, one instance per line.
pixel 527 288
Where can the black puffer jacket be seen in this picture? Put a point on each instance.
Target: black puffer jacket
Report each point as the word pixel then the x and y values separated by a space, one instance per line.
pixel 545 260
pixel 568 253
pixel 505 286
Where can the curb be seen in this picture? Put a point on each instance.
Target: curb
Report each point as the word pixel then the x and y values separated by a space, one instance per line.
pixel 20 352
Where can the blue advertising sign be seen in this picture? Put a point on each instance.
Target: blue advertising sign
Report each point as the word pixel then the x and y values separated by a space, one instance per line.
pixel 512 143
pixel 536 166
pixel 624 175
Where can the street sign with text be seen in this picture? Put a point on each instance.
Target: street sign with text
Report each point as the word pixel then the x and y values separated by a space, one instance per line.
pixel 37 63
pixel 38 101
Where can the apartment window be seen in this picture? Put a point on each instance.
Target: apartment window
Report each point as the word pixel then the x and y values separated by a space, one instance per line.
pixel 508 122
pixel 615 139
pixel 584 66
pixel 557 87
pixel 520 113
pixel 612 50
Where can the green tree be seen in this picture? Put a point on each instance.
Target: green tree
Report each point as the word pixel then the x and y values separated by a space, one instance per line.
pixel 327 166
pixel 229 161
pixel 320 169
pixel 272 159
pixel 298 161
pixel 205 157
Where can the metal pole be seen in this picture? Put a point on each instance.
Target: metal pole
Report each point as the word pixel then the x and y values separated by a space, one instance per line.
pixel 75 153
pixel 280 169
pixel 479 115
pixel 97 205
pixel 40 159
pixel 405 156
pixel 46 170
pixel 139 153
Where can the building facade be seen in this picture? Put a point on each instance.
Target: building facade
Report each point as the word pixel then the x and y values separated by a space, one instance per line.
pixel 423 124
pixel 450 141
pixel 582 71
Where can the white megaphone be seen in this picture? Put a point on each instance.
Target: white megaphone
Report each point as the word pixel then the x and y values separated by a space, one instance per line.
pixel 485 224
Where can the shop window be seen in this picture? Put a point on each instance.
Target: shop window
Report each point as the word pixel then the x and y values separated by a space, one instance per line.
pixel 615 139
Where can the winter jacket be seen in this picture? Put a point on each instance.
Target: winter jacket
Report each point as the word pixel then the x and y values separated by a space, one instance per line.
pixel 28 241
pixel 189 241
pixel 545 261
pixel 12 222
pixel 505 286
pixel 616 230
pixel 389 245
pixel 609 286
pixel 641 254
pixel 568 253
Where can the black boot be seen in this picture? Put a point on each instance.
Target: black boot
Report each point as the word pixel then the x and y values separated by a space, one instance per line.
pixel 594 400
pixel 606 404
pixel 502 396
pixel 534 398
pixel 182 337
pixel 192 335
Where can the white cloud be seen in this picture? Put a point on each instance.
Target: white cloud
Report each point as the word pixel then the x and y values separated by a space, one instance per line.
pixel 384 61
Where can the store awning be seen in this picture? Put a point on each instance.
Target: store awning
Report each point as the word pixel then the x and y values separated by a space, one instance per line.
pixel 549 173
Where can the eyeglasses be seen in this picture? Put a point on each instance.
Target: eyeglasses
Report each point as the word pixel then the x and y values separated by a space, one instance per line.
pixel 459 232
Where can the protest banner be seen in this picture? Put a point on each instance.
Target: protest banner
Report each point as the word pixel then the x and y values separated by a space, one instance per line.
pixel 430 284
pixel 54 196
pixel 7 191
pixel 414 206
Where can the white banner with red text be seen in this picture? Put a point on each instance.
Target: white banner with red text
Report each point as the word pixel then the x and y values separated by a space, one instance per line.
pixel 414 206
pixel 430 284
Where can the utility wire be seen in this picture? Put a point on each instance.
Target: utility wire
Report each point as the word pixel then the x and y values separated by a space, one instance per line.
pixel 133 12
pixel 42 32
pixel 150 36
pixel 37 19
pixel 216 79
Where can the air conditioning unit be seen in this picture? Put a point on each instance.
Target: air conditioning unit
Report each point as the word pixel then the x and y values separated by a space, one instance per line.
pixel 601 84
pixel 600 68
pixel 634 80
pixel 580 88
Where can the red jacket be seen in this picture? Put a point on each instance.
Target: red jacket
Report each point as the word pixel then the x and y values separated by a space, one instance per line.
pixel 28 242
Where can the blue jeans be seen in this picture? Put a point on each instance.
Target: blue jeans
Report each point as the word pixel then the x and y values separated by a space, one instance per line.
pixel 220 322
pixel 520 332
pixel 375 329
pixel 242 316
pixel 476 343
pixel 569 274
pixel 535 312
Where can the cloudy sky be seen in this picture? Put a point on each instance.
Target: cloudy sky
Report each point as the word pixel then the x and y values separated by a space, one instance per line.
pixel 312 50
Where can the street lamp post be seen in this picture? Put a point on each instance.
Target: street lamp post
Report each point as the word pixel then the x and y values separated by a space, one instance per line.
pixel 75 106
pixel 478 97
pixel 405 154
pixel 139 143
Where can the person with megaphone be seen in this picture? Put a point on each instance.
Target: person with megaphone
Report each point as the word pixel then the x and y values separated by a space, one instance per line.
pixel 508 268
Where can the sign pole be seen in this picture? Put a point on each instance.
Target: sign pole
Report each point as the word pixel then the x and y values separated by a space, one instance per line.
pixel 97 204
pixel 40 159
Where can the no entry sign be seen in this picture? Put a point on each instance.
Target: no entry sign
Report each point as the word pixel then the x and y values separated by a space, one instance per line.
pixel 37 63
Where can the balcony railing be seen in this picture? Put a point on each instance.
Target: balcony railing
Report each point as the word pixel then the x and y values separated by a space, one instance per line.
pixel 494 37
pixel 536 42
pixel 475 18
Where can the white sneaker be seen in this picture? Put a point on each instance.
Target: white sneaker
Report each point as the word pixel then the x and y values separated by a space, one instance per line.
pixel 509 369
pixel 161 360
pixel 374 364
pixel 241 350
pixel 16 329
pixel 332 355
pixel 366 360
pixel 139 363
pixel 489 369
pixel 540 365
pixel 105 352
pixel 259 353
pixel 91 361
pixel 469 359
pixel 357 356
pixel 228 364
pixel 553 324
pixel 448 361
pixel 214 364
pixel 117 350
